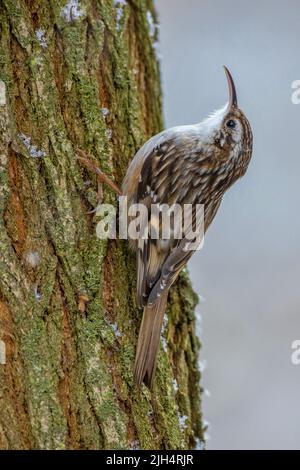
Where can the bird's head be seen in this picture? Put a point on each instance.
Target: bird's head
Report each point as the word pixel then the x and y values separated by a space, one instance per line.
pixel 227 133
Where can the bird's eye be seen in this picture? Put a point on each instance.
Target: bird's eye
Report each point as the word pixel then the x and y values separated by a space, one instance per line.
pixel 231 124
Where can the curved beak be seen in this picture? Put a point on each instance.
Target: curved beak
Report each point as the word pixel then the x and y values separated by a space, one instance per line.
pixel 232 92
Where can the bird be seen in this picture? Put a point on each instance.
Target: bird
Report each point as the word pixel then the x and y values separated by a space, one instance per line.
pixel 189 164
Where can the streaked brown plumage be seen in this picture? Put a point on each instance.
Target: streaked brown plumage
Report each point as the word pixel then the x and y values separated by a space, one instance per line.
pixel 183 165
pixel 188 164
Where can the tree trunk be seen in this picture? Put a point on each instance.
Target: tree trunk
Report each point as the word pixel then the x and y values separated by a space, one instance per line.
pixel 82 74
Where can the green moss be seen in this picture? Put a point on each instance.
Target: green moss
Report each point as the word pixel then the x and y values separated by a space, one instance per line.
pixel 77 365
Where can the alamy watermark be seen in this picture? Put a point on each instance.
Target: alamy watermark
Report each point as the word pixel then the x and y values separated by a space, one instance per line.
pixel 295 356
pixel 295 97
pixel 2 352
pixel 157 222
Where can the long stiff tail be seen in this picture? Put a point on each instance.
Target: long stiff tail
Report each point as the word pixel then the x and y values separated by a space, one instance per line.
pixel 149 341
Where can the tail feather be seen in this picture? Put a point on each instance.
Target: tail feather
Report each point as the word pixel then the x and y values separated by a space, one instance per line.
pixel 149 341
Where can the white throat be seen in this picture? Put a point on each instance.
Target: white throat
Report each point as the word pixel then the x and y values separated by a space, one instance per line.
pixel 212 124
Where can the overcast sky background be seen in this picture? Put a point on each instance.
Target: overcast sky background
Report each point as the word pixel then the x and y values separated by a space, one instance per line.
pixel 249 269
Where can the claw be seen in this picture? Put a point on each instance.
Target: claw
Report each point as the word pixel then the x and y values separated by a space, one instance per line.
pixel 93 211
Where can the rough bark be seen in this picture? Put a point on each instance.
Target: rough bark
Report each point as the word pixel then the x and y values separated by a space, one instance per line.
pixel 67 381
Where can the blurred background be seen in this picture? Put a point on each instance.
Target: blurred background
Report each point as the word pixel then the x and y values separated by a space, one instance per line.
pixel 249 270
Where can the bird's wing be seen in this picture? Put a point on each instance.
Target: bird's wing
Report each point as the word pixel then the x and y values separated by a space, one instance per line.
pixel 177 258
pixel 180 254
pixel 160 173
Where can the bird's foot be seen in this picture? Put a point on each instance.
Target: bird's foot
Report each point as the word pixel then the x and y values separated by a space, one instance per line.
pixel 101 177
